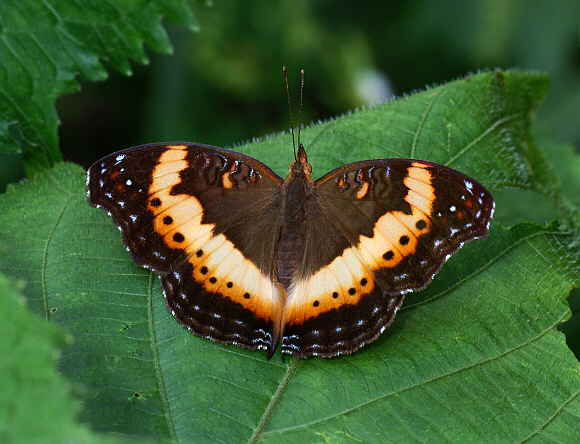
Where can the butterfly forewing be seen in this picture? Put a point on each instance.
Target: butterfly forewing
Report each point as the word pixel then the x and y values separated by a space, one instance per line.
pixel 120 183
pixel 198 215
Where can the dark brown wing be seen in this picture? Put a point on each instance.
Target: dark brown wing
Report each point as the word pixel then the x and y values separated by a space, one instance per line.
pixel 206 220
pixel 376 230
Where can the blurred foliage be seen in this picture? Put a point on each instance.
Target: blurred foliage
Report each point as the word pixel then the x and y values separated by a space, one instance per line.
pixel 224 84
pixel 46 47
pixel 35 402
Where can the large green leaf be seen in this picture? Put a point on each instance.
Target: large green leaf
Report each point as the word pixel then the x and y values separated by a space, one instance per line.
pixel 44 45
pixel 475 356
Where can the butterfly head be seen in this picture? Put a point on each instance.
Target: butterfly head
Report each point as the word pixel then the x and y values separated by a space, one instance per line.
pixel 300 167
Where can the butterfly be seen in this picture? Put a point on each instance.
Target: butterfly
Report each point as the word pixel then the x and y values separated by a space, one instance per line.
pixel 317 268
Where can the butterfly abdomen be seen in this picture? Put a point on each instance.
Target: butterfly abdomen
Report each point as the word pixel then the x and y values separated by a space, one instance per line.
pixel 292 235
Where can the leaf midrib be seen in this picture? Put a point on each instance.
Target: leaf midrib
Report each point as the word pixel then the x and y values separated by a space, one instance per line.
pixel 157 361
pixel 418 385
pixel 44 262
pixel 258 432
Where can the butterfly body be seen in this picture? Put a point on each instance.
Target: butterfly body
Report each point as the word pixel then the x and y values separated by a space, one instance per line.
pixel 292 234
pixel 248 258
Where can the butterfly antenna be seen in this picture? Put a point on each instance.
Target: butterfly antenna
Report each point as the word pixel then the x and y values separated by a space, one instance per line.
pixel 300 113
pixel 290 109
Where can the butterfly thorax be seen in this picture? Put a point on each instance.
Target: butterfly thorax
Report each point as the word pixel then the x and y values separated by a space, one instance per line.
pixel 300 168
pixel 297 191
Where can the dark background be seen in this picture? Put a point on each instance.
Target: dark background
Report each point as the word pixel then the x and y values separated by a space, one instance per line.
pixel 223 85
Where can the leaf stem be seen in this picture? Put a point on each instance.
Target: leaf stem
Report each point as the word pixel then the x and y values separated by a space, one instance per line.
pixel 274 401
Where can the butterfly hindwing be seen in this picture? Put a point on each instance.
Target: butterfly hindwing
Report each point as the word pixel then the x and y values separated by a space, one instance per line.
pixel 389 225
pixel 197 215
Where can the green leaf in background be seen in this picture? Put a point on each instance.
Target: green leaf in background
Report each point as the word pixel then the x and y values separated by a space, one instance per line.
pixel 35 401
pixel 474 357
pixel 44 45
pixel 563 168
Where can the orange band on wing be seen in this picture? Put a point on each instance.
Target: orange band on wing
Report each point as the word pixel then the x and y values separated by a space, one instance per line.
pixel 217 264
pixel 344 281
